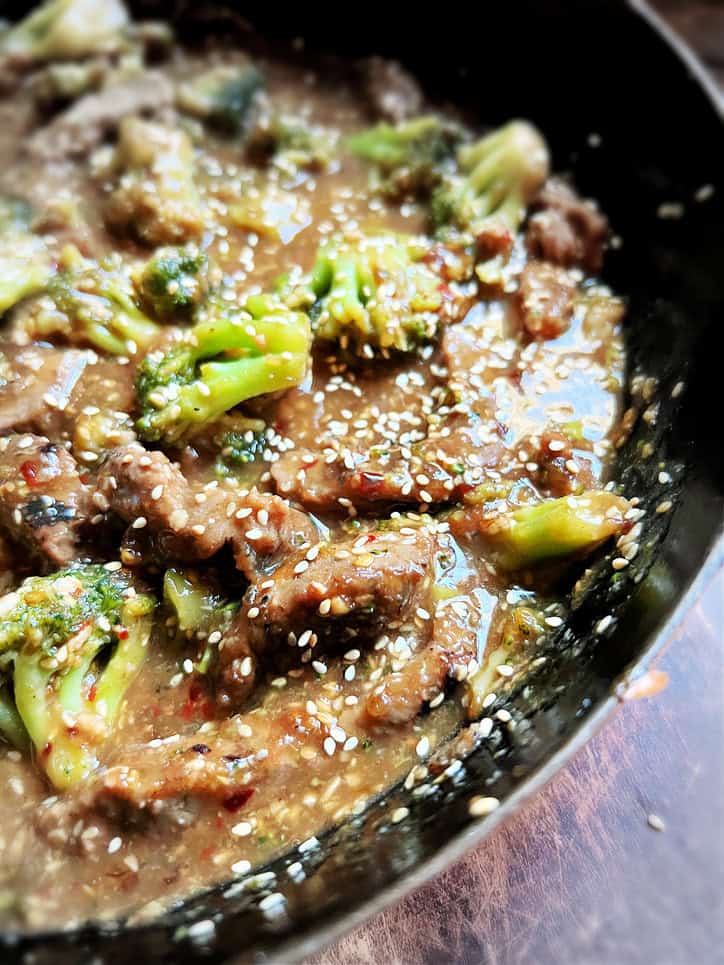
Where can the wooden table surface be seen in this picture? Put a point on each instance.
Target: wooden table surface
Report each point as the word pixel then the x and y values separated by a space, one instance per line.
pixel 581 877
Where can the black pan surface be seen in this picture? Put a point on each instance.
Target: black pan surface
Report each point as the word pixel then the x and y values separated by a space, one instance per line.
pixel 630 114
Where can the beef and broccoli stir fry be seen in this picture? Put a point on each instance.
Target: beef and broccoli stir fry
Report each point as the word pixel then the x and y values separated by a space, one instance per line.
pixel 309 389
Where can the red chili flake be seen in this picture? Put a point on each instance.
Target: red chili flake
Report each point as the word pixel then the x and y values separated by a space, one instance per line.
pixel 92 693
pixel 29 471
pixel 84 478
pixel 207 853
pixel 196 691
pixel 122 633
pixel 238 800
pixel 156 710
pixel 370 481
pixel 47 749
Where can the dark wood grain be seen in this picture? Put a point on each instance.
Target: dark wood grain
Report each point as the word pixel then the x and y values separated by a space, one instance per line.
pixel 581 877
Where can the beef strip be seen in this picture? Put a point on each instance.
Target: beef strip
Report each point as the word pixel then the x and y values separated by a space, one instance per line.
pixel 36 383
pixel 43 503
pixel 451 652
pixel 191 523
pixel 449 463
pixel 84 125
pixel 349 590
pixel 546 299
pixel 393 93
pixel 565 229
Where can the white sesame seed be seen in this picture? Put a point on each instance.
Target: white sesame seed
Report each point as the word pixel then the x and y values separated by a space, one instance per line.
pixel 319 667
pixel 301 566
pixel 604 623
pixel 655 822
pixel 350 744
pixel 436 701
pixel 422 748
pixel 554 621
pixel 242 829
pixel 114 845
pixel 399 814
pixel 253 534
pixel 139 522
pixel 157 492
pixel 241 867
pixel 479 807
pixel 619 563
pixel 253 612
pixel 664 507
pixel 504 670
pixel 329 746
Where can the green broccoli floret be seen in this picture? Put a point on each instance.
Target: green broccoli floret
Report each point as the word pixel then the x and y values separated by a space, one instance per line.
pixel 77 640
pixel 25 265
pixel 200 610
pixel 223 96
pixel 229 355
pixel 556 529
pixel 409 157
pixel 12 727
pixel 498 177
pixel 156 199
pixel 240 441
pixel 291 142
pixel 86 303
pixel 174 282
pixel 66 29
pixel 375 294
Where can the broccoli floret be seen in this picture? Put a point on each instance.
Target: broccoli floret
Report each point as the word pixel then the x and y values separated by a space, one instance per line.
pixel 408 157
pixel 223 96
pixel 374 295
pixel 200 610
pixel 12 727
pixel 156 198
pixel 240 441
pixel 25 265
pixel 77 640
pixel 228 356
pixel 65 29
pixel 498 177
pixel 174 282
pixel 291 142
pixel 556 529
pixel 86 303
pixel 515 636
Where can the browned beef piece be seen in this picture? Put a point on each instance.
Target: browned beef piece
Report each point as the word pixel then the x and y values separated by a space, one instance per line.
pixel 546 299
pixel 43 502
pixel 450 651
pixel 562 468
pixel 36 384
pixel 565 229
pixel 393 93
pixel 84 125
pixel 347 591
pixel 191 523
pixel 440 470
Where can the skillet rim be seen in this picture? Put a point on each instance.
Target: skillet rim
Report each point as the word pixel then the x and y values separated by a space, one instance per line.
pixel 295 948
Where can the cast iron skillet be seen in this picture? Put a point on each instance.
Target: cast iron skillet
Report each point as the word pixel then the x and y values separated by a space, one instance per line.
pixel 595 67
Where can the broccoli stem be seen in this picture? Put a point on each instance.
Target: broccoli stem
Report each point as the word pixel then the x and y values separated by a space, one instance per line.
pixel 12 727
pixel 556 529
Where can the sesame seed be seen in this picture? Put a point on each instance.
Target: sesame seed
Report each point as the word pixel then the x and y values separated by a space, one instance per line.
pixel 604 623
pixel 329 746
pixel 485 727
pixel 139 522
pixel 554 621
pixel 301 567
pixel 423 747
pixel 114 845
pixel 253 612
pixel 157 492
pixel 350 744
pixel 324 607
pixel 242 829
pixel 349 674
pixel 556 445
pixel 619 563
pixel 504 670
pixel 664 507
pixel 479 807
pixel 263 517
pixel 241 867
pixel 253 534
pixel 319 667
pixel 436 701
pixel 399 814
pixel 655 822
pixel 199 529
